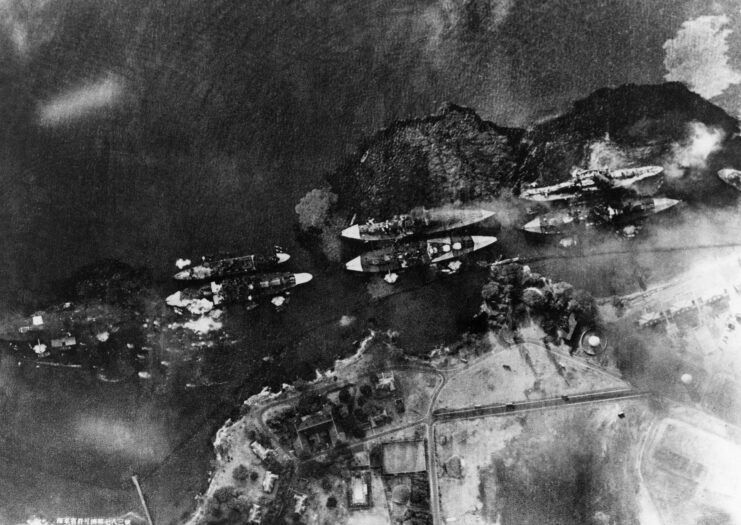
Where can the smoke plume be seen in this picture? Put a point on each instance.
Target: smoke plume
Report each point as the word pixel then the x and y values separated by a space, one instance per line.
pixel 693 152
pixel 81 102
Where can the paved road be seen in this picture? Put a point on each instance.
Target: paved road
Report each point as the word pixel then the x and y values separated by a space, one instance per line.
pixel 520 406
pixel 433 416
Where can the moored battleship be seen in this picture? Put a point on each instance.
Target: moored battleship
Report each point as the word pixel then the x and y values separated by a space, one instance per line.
pixel 245 289
pixel 584 216
pixel 417 222
pixel 418 253
pixel 230 266
pixel 584 182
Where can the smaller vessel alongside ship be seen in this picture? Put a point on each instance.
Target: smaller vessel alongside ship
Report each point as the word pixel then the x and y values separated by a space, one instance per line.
pixel 245 289
pixel 418 253
pixel 417 222
pixel 213 268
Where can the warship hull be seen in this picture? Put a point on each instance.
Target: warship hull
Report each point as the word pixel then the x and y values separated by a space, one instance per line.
pixel 428 222
pixel 418 254
pixel 584 182
pixel 231 266
pixel 583 217
pixel 246 289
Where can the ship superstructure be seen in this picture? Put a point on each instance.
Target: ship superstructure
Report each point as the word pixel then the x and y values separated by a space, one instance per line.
pixel 216 268
pixel 417 222
pixel 421 253
pixel 584 182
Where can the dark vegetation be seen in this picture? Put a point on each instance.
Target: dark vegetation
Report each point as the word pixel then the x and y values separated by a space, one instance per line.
pixel 452 156
pixel 514 294
pixel 227 506
pixel 109 281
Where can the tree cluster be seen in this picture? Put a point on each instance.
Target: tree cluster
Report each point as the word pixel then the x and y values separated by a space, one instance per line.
pixel 314 208
pixel 227 506
pixel 513 292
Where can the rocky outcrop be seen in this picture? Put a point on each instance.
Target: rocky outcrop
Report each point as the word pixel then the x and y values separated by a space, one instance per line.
pixel 448 157
pixel 456 156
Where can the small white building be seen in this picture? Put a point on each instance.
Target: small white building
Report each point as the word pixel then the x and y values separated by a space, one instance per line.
pixel 64 342
pixel 260 451
pixel 255 514
pixel 386 381
pixel 300 506
pixel 268 482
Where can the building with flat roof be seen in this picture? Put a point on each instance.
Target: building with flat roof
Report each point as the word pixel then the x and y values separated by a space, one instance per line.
pixel 255 514
pixel 386 381
pixel 260 451
pixel 64 342
pixel 300 503
pixel 268 482
pixel 316 431
pixel 359 491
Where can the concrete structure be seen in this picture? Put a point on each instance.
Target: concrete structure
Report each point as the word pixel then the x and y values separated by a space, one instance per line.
pixel 255 514
pixel 359 491
pixel 379 419
pixel 268 482
pixel 316 430
pixel 386 381
pixel 300 503
pixel 260 451
pixel 64 342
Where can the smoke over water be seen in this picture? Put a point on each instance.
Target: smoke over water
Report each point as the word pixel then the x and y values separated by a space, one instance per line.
pixel 81 102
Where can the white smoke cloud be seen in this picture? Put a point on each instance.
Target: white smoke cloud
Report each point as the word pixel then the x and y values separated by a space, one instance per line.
pixel 604 154
pixel 693 152
pixel 28 23
pixel 697 55
pixel 80 102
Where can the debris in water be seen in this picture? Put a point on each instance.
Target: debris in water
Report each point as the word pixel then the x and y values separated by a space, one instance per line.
pixel 568 242
pixel 391 277
pixel 199 306
pixel 278 300
pixel 203 325
pixel 347 320
pixel 182 263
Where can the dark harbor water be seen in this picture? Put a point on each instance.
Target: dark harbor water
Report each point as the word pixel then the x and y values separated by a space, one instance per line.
pixel 145 131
